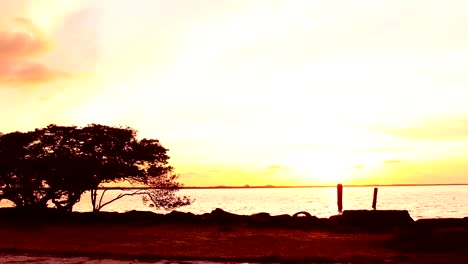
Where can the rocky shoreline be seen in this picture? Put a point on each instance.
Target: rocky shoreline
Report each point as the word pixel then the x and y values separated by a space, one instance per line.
pixel 351 220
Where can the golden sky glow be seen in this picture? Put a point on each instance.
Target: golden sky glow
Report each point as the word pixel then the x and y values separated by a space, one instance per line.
pixel 252 92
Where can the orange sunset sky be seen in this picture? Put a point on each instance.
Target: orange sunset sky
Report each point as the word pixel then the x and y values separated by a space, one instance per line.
pixel 252 92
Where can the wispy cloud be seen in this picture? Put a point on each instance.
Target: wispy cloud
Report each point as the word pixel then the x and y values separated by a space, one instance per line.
pixel 276 167
pixel 380 149
pixel 28 73
pixel 359 166
pixel 391 162
pixel 21 38
pixel 21 43
pixel 448 129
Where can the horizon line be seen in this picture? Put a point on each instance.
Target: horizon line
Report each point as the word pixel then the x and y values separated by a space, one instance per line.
pixel 295 186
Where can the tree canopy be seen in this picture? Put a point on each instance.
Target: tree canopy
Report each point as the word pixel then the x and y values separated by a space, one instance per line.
pixel 58 164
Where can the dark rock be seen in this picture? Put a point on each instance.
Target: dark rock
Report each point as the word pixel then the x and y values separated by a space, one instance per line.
pixel 205 217
pixel 281 220
pixel 261 215
pixel 282 217
pixel 220 215
pixel 42 216
pixel 442 222
pixel 182 217
pixel 307 222
pixel 261 219
pixel 372 220
pixel 99 218
pixel 144 218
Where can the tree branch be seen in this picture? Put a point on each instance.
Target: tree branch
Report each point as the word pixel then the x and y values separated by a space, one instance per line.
pixel 120 196
pixel 100 199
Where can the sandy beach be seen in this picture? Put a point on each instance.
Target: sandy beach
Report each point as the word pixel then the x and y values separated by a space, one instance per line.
pixel 37 259
pixel 176 242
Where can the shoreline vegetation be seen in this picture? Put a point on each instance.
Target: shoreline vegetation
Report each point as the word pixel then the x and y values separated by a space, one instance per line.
pixel 356 236
pixel 57 164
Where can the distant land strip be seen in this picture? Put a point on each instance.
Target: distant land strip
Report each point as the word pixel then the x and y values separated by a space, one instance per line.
pixel 276 187
pixel 284 187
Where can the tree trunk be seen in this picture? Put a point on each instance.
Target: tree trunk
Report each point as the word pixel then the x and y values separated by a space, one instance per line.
pixel 93 193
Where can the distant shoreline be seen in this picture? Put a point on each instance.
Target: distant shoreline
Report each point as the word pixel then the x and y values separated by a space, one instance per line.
pixel 283 187
pixel 287 187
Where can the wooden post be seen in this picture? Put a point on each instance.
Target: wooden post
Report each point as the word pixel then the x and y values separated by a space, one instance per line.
pixel 339 189
pixel 374 201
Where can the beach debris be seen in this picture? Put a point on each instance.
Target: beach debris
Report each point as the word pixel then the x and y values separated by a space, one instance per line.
pixel 302 214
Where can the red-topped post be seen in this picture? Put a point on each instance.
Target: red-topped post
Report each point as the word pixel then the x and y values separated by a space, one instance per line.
pixel 339 189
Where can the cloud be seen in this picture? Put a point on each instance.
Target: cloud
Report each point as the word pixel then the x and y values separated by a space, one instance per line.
pixel 79 33
pixel 380 149
pixel 190 174
pixel 26 73
pixel 193 175
pixel 391 162
pixel 21 38
pixel 448 129
pixel 277 167
pixel 21 42
pixel 359 166
pixel 302 146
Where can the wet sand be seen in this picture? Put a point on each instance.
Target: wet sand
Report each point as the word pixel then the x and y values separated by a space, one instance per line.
pixel 21 259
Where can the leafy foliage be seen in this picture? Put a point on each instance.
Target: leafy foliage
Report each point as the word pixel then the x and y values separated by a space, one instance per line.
pixel 163 195
pixel 59 163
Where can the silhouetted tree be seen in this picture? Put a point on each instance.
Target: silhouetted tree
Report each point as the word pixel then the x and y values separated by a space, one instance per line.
pixel 21 177
pixel 60 163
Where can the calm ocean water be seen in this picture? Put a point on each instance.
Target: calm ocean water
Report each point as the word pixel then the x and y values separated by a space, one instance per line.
pixel 420 201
